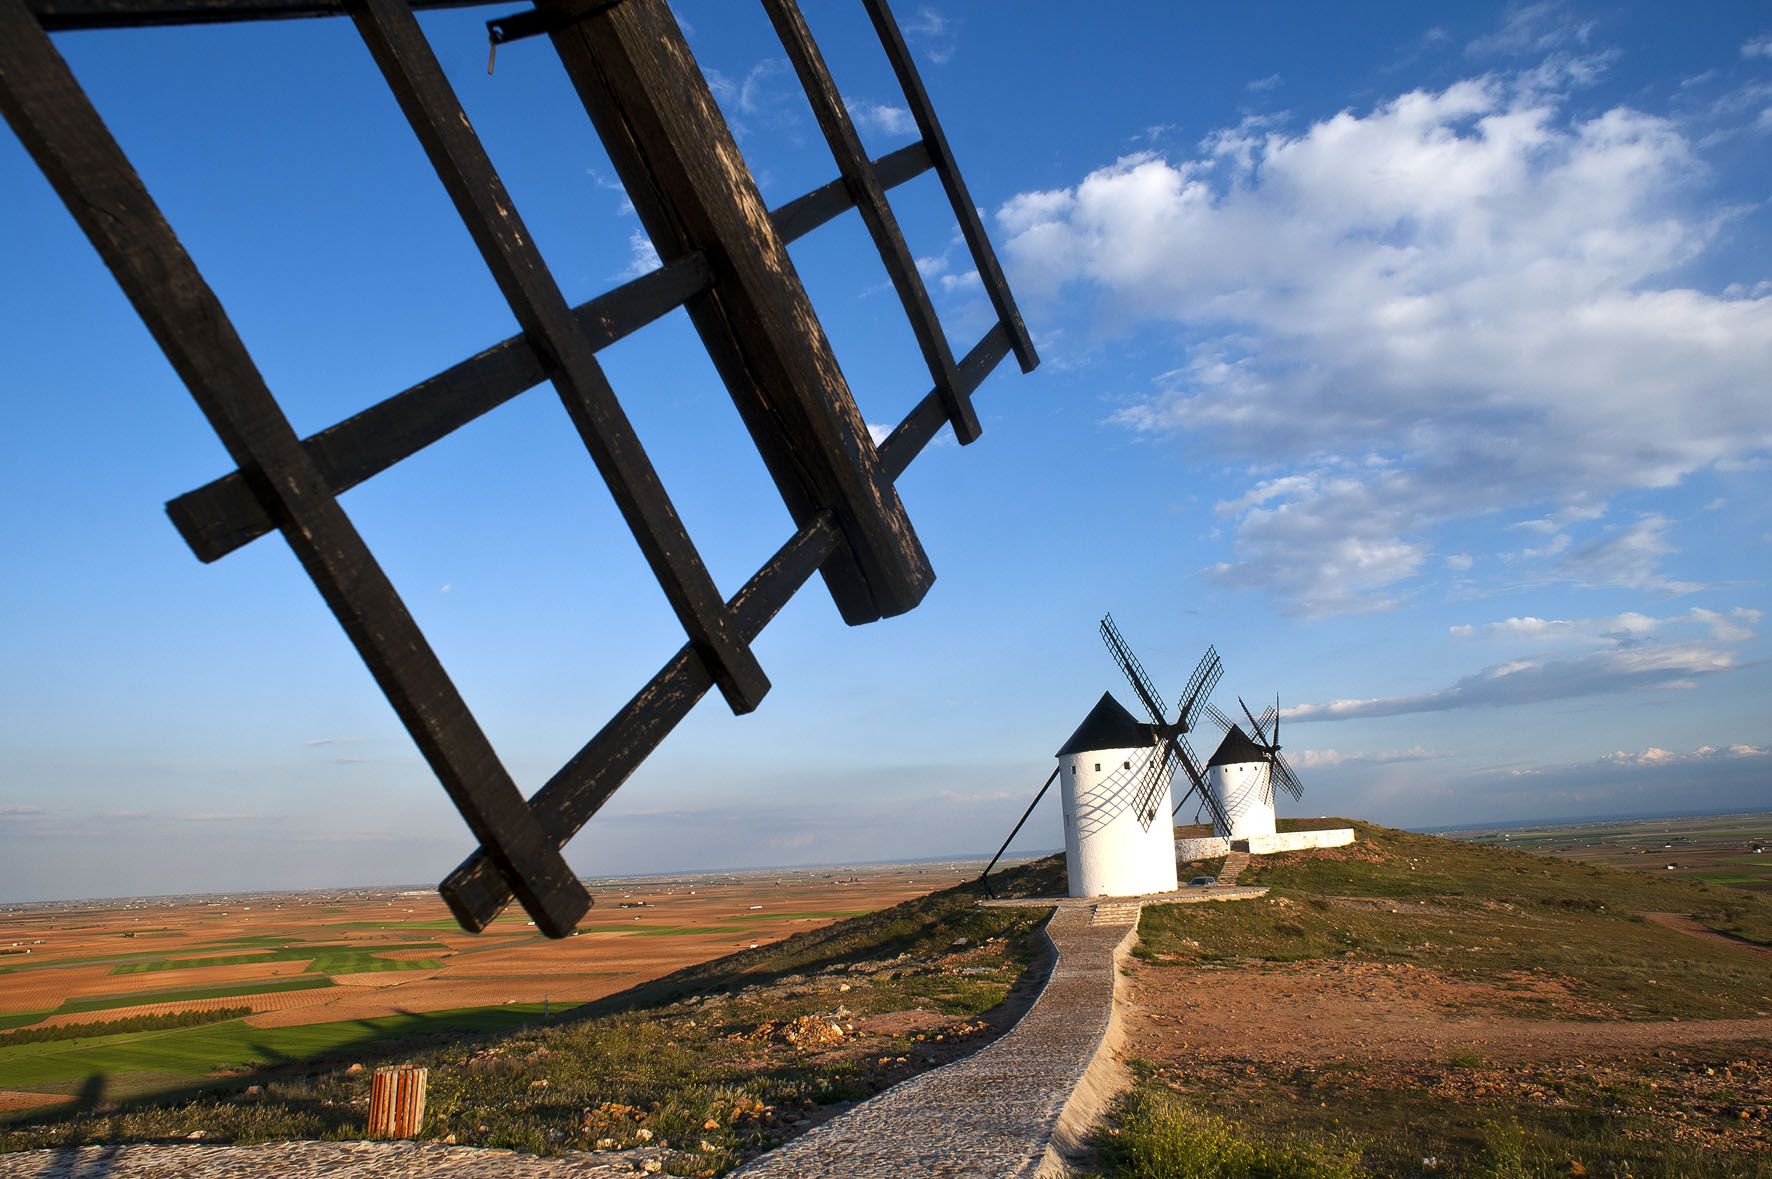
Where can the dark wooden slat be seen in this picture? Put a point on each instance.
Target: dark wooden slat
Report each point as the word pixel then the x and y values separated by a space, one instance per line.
pixel 876 213
pixel 926 418
pixel 413 73
pixel 76 152
pixel 223 515
pixel 803 214
pixel 57 15
pixel 475 892
pixel 692 190
pixel 983 256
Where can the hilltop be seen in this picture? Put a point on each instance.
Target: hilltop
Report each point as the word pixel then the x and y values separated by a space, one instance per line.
pixel 1408 1005
pixel 1411 1005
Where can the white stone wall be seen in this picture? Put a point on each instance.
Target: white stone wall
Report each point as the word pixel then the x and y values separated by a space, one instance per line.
pixel 1261 845
pixel 1108 851
pixel 1243 794
pixel 1201 849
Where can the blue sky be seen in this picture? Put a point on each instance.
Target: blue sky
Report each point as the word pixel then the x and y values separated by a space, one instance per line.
pixel 1418 359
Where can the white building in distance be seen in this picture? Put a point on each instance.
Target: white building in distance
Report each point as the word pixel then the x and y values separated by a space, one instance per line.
pixel 1113 845
pixel 1240 777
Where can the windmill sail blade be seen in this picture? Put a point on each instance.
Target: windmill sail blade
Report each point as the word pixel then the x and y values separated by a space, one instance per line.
pixel 1288 781
pixel 1190 762
pixel 1206 675
pixel 1270 716
pixel 1216 715
pixel 1135 673
pixel 1260 731
pixel 1158 768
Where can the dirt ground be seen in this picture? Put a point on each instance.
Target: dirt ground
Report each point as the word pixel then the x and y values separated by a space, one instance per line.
pixel 83 953
pixel 1319 1012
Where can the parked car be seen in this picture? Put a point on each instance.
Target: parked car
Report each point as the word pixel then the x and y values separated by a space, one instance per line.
pixel 1202 882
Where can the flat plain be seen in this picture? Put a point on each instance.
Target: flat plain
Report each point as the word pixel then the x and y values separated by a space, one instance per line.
pixel 1717 849
pixel 149 994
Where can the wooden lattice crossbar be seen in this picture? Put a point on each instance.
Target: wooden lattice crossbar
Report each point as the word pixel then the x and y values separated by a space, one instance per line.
pixel 724 259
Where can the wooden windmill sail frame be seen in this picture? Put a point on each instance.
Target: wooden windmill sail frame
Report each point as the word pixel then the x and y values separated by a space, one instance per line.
pixel 724 260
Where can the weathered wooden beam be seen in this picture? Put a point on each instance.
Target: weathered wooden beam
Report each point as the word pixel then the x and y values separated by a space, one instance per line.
pixel 224 515
pixel 475 892
pixel 927 417
pixel 59 15
pixel 413 73
pixel 75 151
pixel 804 214
pixel 971 228
pixel 692 190
pixel 870 200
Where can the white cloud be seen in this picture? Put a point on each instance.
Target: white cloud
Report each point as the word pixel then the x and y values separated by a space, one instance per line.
pixel 1533 28
pixel 642 256
pixel 1324 758
pixel 879 432
pixel 1655 755
pixel 1460 562
pixel 19 811
pixel 1627 557
pixel 880 117
pixel 933 32
pixel 1442 308
pixel 1622 653
pixel 1271 82
pixel 1758 47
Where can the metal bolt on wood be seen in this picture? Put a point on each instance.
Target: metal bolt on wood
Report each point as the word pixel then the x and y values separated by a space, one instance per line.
pixel 397 1101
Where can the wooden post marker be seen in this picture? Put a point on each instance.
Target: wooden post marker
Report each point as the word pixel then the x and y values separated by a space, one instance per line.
pixel 397 1101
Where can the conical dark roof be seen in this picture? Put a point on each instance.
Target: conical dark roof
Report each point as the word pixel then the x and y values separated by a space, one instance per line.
pixel 1108 726
pixel 1235 749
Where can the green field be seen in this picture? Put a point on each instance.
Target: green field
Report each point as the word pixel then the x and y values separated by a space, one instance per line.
pixel 327 958
pixel 187 994
pixel 66 1065
pixel 1717 849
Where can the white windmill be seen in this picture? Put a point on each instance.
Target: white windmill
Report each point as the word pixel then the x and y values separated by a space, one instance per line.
pixel 1119 837
pixel 1243 772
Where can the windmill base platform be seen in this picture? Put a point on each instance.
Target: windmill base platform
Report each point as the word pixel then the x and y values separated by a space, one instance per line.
pixel 1262 845
pixel 1181 896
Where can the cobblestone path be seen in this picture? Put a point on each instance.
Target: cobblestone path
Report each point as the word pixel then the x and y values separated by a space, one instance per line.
pixel 1014 1108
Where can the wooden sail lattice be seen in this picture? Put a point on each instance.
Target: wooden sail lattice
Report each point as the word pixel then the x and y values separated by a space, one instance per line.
pixel 724 260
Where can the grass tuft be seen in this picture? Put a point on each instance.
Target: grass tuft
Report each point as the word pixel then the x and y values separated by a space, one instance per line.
pixel 1161 1137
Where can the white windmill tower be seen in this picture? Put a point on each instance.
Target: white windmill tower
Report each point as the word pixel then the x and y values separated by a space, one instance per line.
pixel 1243 772
pixel 1119 836
pixel 1115 787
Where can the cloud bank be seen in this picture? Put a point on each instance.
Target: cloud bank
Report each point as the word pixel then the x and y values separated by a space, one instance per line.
pixel 1459 303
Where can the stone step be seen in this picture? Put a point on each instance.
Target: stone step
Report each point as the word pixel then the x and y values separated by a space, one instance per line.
pixel 1115 912
pixel 1234 863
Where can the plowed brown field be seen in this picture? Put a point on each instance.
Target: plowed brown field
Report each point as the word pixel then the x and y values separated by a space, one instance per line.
pixel 359 940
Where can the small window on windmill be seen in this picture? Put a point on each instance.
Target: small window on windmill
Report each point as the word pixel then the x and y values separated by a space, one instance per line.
pixel 1098 767
pixel 1127 764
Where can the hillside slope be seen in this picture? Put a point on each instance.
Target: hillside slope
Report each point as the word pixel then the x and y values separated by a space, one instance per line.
pixel 1418 1006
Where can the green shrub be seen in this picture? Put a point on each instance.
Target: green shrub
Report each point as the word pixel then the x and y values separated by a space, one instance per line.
pixel 1159 1137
